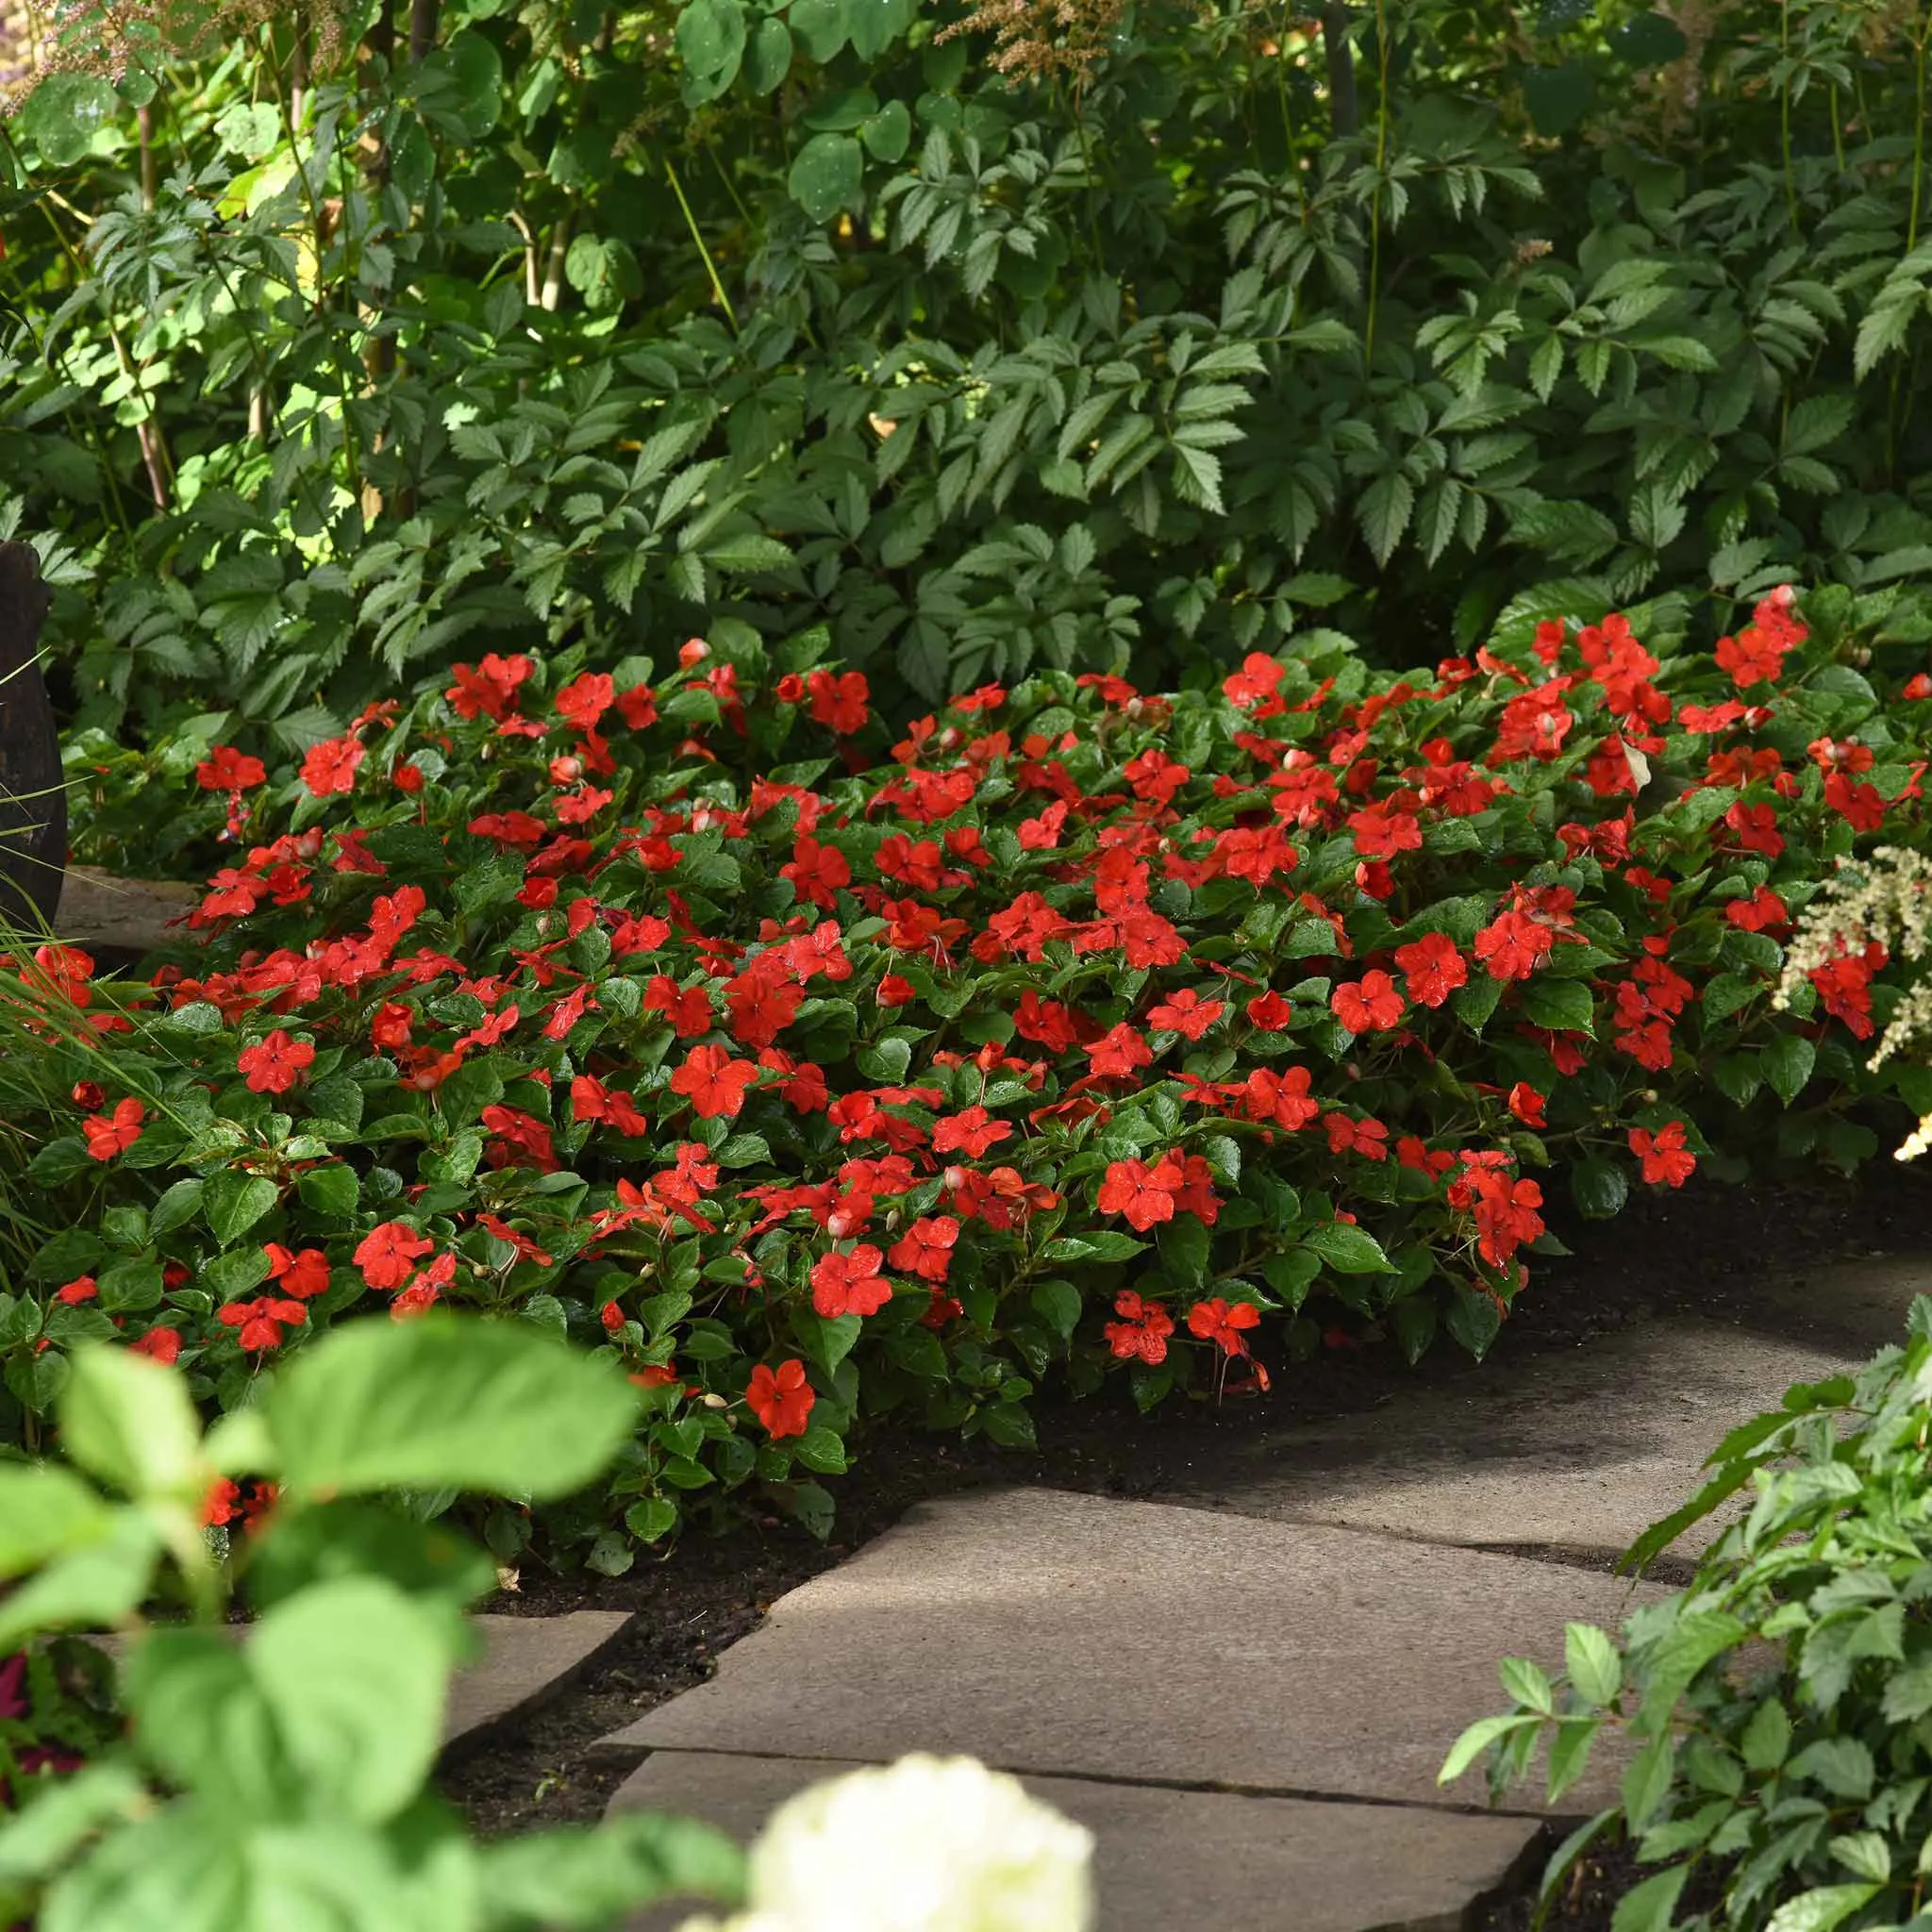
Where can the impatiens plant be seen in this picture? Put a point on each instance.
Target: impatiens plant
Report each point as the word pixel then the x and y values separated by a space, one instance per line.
pixel 818 1072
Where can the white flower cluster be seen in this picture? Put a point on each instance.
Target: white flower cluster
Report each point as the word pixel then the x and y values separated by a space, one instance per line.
pixel 1885 898
pixel 927 1844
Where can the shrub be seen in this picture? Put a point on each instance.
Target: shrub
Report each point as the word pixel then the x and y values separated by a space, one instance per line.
pixel 284 1780
pixel 1078 1032
pixel 1781 1703
pixel 527 324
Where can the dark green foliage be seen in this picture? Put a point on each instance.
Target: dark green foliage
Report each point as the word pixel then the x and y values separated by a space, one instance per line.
pixel 585 324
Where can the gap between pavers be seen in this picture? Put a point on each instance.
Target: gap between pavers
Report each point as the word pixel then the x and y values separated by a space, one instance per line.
pixel 1057 1634
pixel 1580 1451
pixel 526 1662
pixel 1166 1858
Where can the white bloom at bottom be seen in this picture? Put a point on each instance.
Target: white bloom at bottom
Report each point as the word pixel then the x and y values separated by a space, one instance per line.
pixel 926 1844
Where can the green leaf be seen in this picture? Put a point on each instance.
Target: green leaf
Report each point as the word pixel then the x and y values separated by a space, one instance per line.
pixel 1591 1660
pixel 1347 1250
pixel 768 55
pixel 1598 1187
pixel 1184 1244
pixel 92 1587
pixel 1476 1739
pixel 446 1404
pixel 354 1674
pixel 710 37
pixel 1788 1061
pixel 462 85
pixel 579 1876
pixel 1819 1909
pixel 827 175
pixel 330 1189
pixel 1564 1006
pixel 132 1423
pixel 1558 99
pixel 63 1816
pixel 232 1202
pixel 1384 512
pixel 1648 1907
pixel 177 1207
pixel 889 133
pixel 65 112
pixel 1058 1303
pixel 44 1510
pixel 1767 1739
pixel 1526 1682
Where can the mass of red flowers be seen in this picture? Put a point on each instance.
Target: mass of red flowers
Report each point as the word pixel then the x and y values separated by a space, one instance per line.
pixel 821 1069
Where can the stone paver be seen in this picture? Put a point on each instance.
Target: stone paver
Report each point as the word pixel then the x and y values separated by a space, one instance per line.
pixel 526 1662
pixel 1581 1451
pixel 1859 1305
pixel 1071 1634
pixel 1169 1858
pixel 98 908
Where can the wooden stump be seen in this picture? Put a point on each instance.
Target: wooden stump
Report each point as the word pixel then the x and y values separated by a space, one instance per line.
pixel 33 797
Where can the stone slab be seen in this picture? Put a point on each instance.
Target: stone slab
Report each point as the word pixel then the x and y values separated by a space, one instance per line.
pixel 1581 1451
pixel 101 909
pixel 526 1662
pixel 1075 1636
pixel 1165 1858
pixel 1859 1305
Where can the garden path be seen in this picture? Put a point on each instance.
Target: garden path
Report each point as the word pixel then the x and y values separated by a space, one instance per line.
pixel 1245 1689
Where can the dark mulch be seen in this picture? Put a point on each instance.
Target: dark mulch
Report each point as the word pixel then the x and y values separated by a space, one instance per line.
pixel 1586 1898
pixel 1707 1250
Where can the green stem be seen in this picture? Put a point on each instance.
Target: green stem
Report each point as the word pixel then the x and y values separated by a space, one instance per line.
pixel 1376 205
pixel 723 300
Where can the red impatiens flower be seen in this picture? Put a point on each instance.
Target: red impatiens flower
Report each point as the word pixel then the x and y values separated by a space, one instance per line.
pixel 850 1284
pixel 1506 1214
pixel 1222 1321
pixel 260 1322
pixel 926 1249
pixel 301 1273
pixel 687 1008
pixel 161 1345
pixel 1185 1012
pixel 1268 1011
pixel 226 769
pixel 1143 1195
pixel 1513 944
pixel 1119 1051
pixel 525 1248
pixel 1370 1004
pixel 1527 1105
pixel 111 1134
pixel 1664 1155
pixel 82 1288
pixel 781 1398
pixel 1433 967
pixel 276 1063
pixel 972 1131
pixel 330 766
pixel 1140 1333
pixel 1762 911
pixel 838 699
pixel 387 1253
pixel 590 1100
pixel 713 1082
